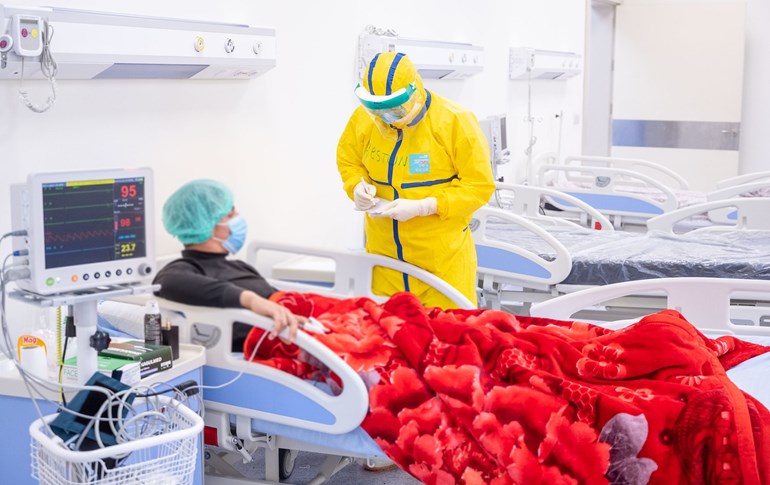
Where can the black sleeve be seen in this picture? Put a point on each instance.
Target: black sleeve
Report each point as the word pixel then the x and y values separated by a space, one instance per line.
pixel 184 282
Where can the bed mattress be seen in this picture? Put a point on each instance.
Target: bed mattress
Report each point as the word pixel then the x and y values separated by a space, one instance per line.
pixel 601 258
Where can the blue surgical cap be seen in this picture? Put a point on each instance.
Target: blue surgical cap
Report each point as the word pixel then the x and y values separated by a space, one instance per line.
pixel 191 212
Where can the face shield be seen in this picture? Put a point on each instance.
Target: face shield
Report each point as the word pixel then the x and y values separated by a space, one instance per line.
pixel 394 110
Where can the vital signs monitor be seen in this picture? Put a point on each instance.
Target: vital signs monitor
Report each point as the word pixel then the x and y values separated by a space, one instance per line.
pixel 84 229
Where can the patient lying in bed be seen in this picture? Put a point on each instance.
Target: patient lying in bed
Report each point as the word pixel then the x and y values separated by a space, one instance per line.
pixel 481 396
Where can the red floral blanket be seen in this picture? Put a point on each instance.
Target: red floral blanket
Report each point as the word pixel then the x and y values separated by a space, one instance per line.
pixel 485 397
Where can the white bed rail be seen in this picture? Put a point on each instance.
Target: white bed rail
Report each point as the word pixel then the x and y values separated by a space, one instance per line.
pixel 749 189
pixel 738 190
pixel 743 179
pixel 352 272
pixel 751 214
pixel 527 199
pixel 212 328
pixel 705 302
pixel 603 181
pixel 657 171
pixel 510 263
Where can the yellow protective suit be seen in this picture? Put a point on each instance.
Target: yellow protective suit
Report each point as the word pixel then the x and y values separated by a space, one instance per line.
pixel 442 153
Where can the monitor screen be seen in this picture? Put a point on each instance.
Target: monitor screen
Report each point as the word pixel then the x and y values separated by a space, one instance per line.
pixel 85 229
pixel 93 221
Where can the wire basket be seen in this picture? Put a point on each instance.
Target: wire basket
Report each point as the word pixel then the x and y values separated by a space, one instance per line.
pixel 167 458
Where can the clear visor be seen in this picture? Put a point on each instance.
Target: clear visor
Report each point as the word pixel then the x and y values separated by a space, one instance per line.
pixel 397 109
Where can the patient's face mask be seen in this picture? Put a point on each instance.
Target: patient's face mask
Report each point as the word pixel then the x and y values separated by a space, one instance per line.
pixel 236 239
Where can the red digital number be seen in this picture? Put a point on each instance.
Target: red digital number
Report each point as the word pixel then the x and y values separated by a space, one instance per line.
pixel 126 222
pixel 128 191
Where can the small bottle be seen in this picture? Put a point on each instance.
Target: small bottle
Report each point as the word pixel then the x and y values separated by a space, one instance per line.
pixel 170 336
pixel 152 323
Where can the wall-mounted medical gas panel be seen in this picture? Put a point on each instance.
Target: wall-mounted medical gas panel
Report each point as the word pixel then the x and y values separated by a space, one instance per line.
pixel 433 59
pixel 528 63
pixel 99 45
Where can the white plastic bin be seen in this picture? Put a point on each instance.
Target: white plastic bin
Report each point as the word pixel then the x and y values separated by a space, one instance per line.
pixel 168 458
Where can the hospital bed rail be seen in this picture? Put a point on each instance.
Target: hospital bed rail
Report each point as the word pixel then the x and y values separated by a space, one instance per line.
pixel 605 194
pixel 658 172
pixel 353 271
pixel 528 201
pixel 502 263
pixel 742 213
pixel 743 179
pixel 759 188
pixel 711 304
pixel 655 170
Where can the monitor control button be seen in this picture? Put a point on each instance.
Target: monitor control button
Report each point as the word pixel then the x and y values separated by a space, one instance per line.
pixel 107 274
pixel 97 275
pixel 86 276
pixel 129 271
pixel 118 272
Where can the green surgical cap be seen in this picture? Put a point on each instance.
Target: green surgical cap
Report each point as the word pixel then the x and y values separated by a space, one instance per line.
pixel 191 212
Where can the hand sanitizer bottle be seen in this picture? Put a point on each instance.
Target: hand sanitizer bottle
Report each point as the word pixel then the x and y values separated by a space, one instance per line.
pixel 152 323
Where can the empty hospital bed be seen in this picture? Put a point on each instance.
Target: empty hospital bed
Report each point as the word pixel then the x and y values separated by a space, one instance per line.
pixel 631 191
pixel 530 201
pixel 520 262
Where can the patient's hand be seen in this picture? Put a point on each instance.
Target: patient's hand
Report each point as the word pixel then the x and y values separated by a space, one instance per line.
pixel 282 316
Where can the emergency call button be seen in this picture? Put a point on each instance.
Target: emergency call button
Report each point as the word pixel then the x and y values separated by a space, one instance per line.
pixel 24 32
pixel 3 44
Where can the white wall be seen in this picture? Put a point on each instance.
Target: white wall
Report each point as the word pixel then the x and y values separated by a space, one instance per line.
pixel 755 130
pixel 273 139
pixel 681 61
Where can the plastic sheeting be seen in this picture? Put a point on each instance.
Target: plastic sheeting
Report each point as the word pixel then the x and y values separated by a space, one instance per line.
pixel 600 258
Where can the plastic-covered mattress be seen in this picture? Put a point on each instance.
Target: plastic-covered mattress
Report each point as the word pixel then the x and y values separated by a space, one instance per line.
pixel 750 375
pixel 600 258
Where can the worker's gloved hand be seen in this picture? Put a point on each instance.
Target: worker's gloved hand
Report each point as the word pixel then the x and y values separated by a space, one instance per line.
pixel 363 195
pixel 405 209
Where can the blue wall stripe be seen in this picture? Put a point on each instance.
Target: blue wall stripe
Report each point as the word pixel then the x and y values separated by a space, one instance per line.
pixel 698 135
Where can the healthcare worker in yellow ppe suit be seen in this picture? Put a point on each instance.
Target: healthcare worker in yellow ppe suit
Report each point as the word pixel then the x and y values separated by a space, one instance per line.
pixel 419 165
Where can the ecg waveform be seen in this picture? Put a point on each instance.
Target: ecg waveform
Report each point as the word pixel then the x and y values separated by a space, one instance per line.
pixel 87 223
pixel 66 237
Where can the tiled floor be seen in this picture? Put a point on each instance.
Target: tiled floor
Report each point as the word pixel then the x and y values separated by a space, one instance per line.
pixel 308 465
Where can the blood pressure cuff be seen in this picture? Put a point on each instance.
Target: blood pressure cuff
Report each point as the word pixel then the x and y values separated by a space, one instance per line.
pixel 87 403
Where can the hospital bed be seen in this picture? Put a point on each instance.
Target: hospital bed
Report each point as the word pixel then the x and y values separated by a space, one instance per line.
pixel 269 409
pixel 529 201
pixel 716 306
pixel 521 263
pixel 614 186
pixel 631 191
